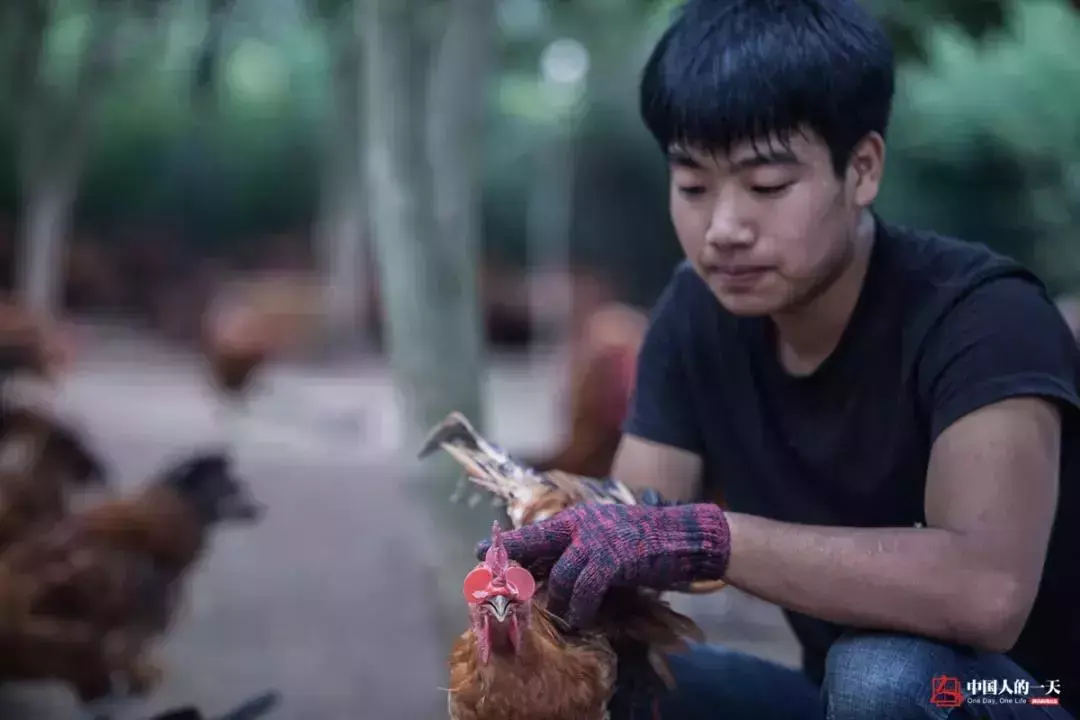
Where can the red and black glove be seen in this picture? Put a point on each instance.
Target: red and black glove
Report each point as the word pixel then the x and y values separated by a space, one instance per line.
pixel 592 548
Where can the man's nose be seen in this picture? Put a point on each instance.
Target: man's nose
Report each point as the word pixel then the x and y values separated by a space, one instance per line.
pixel 728 226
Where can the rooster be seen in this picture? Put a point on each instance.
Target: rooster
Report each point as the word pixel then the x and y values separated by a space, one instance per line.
pixel 82 601
pixel 236 342
pixel 493 667
pixel 242 332
pixel 515 663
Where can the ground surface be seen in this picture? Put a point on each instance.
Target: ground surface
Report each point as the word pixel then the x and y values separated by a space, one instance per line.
pixel 325 600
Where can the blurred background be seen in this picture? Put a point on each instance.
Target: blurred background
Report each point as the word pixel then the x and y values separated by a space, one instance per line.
pixel 459 202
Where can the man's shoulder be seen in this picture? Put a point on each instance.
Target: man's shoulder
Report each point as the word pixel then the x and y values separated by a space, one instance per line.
pixel 980 327
pixel 940 262
pixel 934 275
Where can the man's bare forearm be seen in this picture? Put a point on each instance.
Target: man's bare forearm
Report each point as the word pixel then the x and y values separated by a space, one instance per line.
pixel 924 581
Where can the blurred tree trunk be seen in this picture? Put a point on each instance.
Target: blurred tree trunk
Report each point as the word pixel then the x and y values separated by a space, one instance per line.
pixel 341 222
pixel 198 154
pixel 209 59
pixel 423 147
pixel 54 135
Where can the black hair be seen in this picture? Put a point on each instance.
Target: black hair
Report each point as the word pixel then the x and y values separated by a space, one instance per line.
pixel 733 71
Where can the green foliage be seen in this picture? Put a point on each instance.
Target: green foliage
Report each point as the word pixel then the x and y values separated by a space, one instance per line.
pixel 985 142
pixel 1008 84
pixel 910 23
pixel 252 170
pixel 988 135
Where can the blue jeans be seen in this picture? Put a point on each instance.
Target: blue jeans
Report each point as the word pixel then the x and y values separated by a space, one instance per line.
pixel 868 675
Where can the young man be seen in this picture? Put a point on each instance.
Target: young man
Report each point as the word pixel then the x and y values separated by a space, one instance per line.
pixel 891 415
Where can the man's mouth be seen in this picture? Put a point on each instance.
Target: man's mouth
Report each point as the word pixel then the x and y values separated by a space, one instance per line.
pixel 738 271
pixel 738 276
pixel 500 607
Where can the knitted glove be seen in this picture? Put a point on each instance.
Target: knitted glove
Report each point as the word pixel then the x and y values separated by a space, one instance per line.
pixel 591 548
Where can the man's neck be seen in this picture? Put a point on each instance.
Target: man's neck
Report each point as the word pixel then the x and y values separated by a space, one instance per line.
pixel 808 335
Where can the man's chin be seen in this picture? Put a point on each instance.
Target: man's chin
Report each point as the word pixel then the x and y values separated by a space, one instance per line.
pixel 748 305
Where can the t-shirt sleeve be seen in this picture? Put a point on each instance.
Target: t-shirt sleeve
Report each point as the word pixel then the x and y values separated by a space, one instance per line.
pixel 1004 339
pixel 661 406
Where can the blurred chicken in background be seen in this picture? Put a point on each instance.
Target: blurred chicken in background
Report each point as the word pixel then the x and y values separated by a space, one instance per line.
pixel 82 600
pixel 603 369
pixel 83 593
pixel 253 320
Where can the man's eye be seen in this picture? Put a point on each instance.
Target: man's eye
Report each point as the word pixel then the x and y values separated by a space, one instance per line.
pixel 771 190
pixel 691 190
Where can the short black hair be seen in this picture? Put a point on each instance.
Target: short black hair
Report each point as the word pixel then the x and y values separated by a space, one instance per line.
pixel 732 71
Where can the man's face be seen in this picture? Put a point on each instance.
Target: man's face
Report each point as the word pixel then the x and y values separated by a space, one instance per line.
pixel 770 226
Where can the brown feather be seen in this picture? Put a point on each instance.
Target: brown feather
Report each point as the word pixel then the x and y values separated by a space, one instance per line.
pixel 552 677
pixel 81 600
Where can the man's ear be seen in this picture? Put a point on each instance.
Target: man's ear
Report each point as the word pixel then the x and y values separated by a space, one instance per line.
pixel 866 168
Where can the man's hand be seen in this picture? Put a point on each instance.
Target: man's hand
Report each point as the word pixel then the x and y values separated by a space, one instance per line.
pixel 591 548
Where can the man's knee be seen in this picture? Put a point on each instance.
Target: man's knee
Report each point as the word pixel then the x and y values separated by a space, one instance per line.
pixel 886 675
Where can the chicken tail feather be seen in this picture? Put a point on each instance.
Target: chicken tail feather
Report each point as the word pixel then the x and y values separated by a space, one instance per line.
pixel 493 469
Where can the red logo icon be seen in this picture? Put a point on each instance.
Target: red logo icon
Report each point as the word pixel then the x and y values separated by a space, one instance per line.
pixel 946 692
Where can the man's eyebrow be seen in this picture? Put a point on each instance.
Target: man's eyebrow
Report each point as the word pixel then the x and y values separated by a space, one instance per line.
pixel 681 158
pixel 775 157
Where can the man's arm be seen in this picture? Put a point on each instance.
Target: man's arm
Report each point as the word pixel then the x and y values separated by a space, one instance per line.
pixel 996 375
pixel 969 577
pixel 661 446
pixel 671 471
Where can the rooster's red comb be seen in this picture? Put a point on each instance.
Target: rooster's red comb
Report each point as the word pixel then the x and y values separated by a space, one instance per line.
pixel 496 558
pixel 496 576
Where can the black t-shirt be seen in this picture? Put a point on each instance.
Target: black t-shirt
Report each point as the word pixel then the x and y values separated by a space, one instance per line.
pixel 942 328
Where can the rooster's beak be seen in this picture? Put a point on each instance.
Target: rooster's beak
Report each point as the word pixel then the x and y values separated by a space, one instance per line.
pixel 243 508
pixel 500 605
